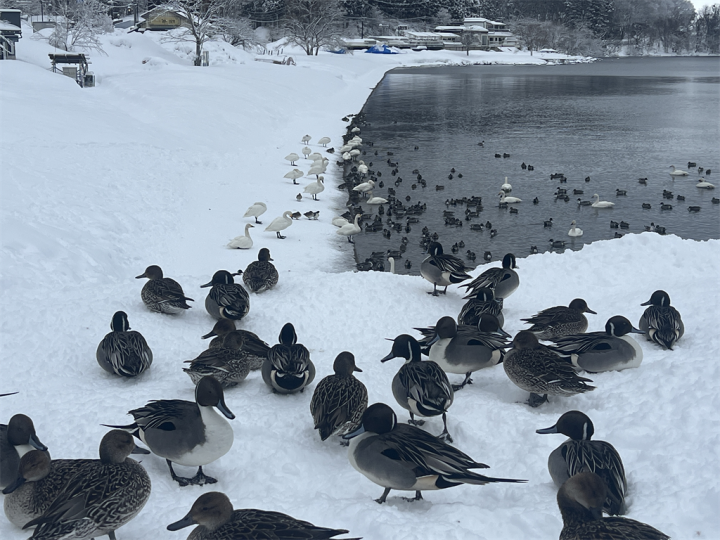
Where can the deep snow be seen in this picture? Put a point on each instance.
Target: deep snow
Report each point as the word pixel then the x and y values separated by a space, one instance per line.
pixel 157 164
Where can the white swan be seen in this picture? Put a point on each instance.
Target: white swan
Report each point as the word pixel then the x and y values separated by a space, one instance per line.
pixel 315 156
pixel 354 153
pixel 306 151
pixel 365 187
pixel 242 241
pixel 280 223
pixel 306 139
pixel 677 172
pixel 574 231
pixel 292 158
pixel 601 204
pixel 509 200
pixel 375 200
pixel 704 185
pixel 350 229
pixel 315 187
pixel 324 141
pixel 392 264
pixel 507 188
pixel 256 210
pixel 362 168
pixel 339 221
pixel 318 167
pixel 294 175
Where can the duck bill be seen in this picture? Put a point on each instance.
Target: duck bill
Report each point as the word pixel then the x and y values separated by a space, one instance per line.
pixel 648 303
pixel 139 450
pixel 224 409
pixel 209 335
pixel 206 285
pixel 35 443
pixel 19 481
pixel 435 339
pixel 140 276
pixel 545 431
pixel 636 331
pixel 353 434
pixel 504 333
pixel 588 310
pixel 388 357
pixel 357 369
pixel 184 522
pixel 239 272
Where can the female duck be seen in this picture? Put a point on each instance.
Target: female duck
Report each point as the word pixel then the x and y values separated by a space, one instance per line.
pixel 288 368
pixel 339 400
pixel 226 299
pixel 228 364
pixel 17 438
pixel 610 350
pixel 261 275
pixel 407 458
pixel 256 349
pixel 162 294
pixel 422 388
pixel 559 321
pixel 579 453
pixel 443 270
pixel 481 301
pixel 123 351
pixel 503 281
pixel 661 322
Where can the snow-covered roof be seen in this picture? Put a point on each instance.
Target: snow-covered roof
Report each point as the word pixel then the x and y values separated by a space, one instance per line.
pixel 447 34
pixel 8 27
pixel 421 34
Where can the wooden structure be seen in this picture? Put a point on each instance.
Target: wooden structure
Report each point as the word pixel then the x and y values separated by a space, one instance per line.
pixel 74 65
pixel 10 32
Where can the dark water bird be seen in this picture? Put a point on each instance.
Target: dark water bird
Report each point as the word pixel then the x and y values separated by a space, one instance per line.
pixel 493 233
pixel 624 225
pixel 618 235
pixel 581 454
pixel 226 299
pixel 123 351
pixel 503 281
pixel 681 198
pixel 480 301
pixel 620 193
pixel 536 201
pixel 643 181
pixel 487 256
pixel 16 439
pixel 661 322
pixel 539 370
pixel 533 249
pixel 215 518
pixel 646 206
pixel 443 270
pixel 255 347
pixel 559 244
pixel 288 368
pixel 339 400
pixel 587 178
pixel 188 433
pixel 161 294
pixel 693 209
pixel 406 458
pixel 261 275
pixel 548 223
pixel 581 500
pixel 422 388
pixel 560 321
pixel 614 224
pixel 229 363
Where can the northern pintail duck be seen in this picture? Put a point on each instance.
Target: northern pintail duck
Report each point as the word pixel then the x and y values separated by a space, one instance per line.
pixel 288 368
pixel 162 294
pixel 541 371
pixel 463 349
pixel 581 500
pixel 503 281
pixel 228 364
pixel 481 301
pixel 339 400
pixel 442 270
pixel 101 497
pixel 559 321
pixel 422 388
pixel 407 458
pixel 216 520
pixel 256 349
pixel 123 351
pixel 226 299
pixel 188 433
pixel 261 275
pixel 17 438
pixel 579 453
pixel 661 322
pixel 610 350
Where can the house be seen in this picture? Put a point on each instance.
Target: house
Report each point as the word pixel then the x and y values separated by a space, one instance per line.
pixel 162 19
pixel 497 31
pixel 43 21
pixel 430 40
pixel 478 36
pixel 10 32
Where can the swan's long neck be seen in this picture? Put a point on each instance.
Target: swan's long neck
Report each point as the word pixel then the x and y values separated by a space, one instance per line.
pixel 247 230
pixel 392 264
pixel 357 218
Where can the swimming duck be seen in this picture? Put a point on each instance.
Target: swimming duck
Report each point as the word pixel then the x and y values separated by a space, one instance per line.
pixel 560 321
pixel 123 351
pixel 661 322
pixel 243 241
pixel 574 231
pixel 229 364
pixel 216 520
pixel 288 368
pixel 539 370
pixel 677 172
pixel 581 499
pixel 558 244
pixel 280 224
pixel 256 210
pixel 226 299
pixel 610 350
pixel 350 229
pixel 315 187
pixel 339 400
pixel 17 438
pixel 188 433
pixel 261 275
pixel 255 347
pixel 597 203
pixel 579 453
pixel 422 388
pixel 407 458
pixel 508 200
pixel 503 281
pixel 101 497
pixel 161 294
pixel 481 301
pixel 463 349
pixel 443 270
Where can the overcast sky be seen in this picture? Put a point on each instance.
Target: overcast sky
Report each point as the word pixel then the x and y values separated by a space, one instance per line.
pixel 700 3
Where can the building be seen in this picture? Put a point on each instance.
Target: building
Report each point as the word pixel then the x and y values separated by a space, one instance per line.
pixel 10 32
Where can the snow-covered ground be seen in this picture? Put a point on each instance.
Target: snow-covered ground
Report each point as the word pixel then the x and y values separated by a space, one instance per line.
pixel 157 164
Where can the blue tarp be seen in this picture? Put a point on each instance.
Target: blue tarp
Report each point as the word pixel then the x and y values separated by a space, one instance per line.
pixel 381 49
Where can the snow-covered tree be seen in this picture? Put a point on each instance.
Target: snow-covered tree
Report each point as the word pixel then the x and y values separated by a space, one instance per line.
pixel 203 19
pixel 313 24
pixel 80 24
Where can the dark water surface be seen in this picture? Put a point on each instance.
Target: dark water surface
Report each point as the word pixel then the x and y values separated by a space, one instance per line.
pixel 614 121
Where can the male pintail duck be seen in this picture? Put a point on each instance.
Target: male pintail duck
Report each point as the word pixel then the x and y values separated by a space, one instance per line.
pixel 610 350
pixel 581 500
pixel 503 281
pixel 579 453
pixel 422 388
pixel 256 349
pixel 226 299
pixel 216 520
pixel 228 364
pixel 288 368
pixel 407 458
pixel 123 351
pixel 188 433
pixel 560 321
pixel 442 270
pixel 463 349
pixel 541 371
pixel 162 294
pixel 101 497
pixel 17 438
pixel 339 400
pixel 661 322
pixel 261 275
pixel 481 301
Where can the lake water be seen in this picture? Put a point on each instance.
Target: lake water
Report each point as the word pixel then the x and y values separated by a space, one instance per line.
pixel 614 121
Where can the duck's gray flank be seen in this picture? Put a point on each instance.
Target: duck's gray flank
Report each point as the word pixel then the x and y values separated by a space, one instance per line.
pixel 661 322
pixel 226 299
pixel 162 294
pixel 123 351
pixel 261 275
pixel 559 321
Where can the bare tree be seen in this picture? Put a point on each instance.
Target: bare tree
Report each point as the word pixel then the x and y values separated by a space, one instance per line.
pixel 202 20
pixel 79 25
pixel 534 34
pixel 313 24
